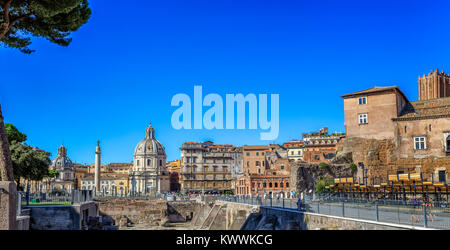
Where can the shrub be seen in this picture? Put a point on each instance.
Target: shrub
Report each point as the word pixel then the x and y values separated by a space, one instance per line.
pixel 353 167
pixel 323 165
pixel 321 183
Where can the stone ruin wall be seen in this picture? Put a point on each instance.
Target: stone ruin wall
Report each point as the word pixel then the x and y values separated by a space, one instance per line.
pixel 380 157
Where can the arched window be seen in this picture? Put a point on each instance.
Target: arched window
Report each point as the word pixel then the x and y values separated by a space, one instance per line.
pixel 160 162
pixel 287 184
pixel 149 162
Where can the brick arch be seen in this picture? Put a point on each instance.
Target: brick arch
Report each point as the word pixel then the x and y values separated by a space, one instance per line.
pixel 5 155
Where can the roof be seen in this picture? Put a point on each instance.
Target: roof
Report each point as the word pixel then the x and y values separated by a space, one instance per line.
pixel 106 176
pixel 425 109
pixel 221 146
pixel 262 147
pixel 119 164
pixel 375 90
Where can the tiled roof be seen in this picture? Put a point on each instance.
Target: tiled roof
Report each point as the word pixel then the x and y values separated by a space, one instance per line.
pixel 426 109
pixel 375 90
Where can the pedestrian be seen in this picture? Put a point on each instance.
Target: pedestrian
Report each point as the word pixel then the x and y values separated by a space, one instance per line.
pixel 299 204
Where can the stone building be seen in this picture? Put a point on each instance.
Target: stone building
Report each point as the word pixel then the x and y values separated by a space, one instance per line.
pixel 320 146
pixel 434 85
pixel 270 177
pixel 254 158
pixel 110 183
pixel 295 149
pixel 208 168
pixel 66 181
pixel 174 168
pixel 388 134
pixel 149 166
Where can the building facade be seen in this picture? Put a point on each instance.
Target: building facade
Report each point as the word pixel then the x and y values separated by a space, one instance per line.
pixel 270 180
pixel 208 168
pixel 149 166
pixel 254 158
pixel 174 168
pixel 110 183
pixel 414 135
pixel 295 149
pixel 66 181
pixel 434 85
pixel 320 146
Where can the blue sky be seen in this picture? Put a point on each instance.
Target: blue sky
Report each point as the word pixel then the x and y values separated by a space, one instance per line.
pixel 123 67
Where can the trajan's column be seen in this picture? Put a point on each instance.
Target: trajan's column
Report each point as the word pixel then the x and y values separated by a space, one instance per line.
pixel 98 153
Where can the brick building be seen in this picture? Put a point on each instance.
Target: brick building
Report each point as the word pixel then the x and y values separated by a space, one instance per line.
pixel 394 134
pixel 266 171
pixel 320 146
pixel 434 85
pixel 174 168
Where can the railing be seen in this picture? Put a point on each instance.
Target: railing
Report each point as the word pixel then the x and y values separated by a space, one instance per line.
pixel 40 199
pixel 427 215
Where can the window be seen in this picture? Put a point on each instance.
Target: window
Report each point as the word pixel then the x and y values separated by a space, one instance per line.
pixel 362 100
pixel 259 170
pixel 257 153
pixel 248 154
pixel 362 118
pixel 148 162
pixel 441 176
pixel 448 144
pixel 282 166
pixel 258 163
pixel 419 143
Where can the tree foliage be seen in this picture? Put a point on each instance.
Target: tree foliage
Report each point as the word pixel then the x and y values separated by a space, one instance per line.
pixel 28 162
pixel 14 134
pixel 321 185
pixel 53 20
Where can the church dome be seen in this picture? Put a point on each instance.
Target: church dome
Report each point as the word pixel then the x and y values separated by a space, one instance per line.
pixel 149 146
pixel 61 161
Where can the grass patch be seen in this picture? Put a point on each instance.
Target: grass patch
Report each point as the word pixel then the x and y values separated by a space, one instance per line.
pixel 46 203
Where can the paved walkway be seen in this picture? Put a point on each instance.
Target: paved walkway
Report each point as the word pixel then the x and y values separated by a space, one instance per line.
pixel 438 219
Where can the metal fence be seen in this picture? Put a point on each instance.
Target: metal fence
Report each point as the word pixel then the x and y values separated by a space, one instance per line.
pixel 418 215
pixel 39 199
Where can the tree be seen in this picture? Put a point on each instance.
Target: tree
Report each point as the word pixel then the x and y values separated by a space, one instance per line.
pixel 14 134
pixel 53 20
pixel 28 163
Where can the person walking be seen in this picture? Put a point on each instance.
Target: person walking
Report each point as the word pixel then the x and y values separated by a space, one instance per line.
pixel 299 204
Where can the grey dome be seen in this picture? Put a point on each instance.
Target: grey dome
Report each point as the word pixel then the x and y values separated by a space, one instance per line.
pixel 149 146
pixel 61 161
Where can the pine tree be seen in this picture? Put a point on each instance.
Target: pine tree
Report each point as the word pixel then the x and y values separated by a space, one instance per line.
pixel 50 19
